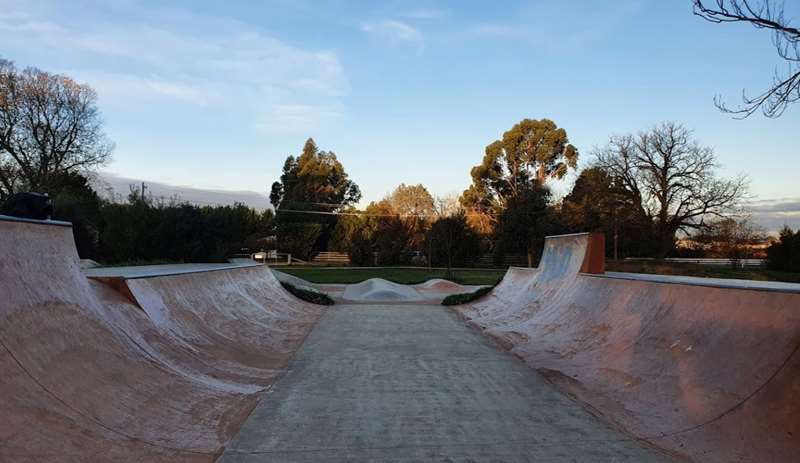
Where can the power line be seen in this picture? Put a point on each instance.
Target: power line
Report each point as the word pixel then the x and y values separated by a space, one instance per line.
pixel 310 203
pixel 361 214
pixel 367 214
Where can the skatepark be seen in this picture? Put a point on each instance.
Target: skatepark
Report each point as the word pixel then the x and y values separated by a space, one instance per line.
pixel 560 363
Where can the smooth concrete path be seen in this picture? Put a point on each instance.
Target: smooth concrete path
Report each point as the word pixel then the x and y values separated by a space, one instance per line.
pixel 414 383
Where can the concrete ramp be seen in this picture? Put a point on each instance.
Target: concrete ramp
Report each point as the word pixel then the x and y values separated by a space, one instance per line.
pixel 709 373
pixel 140 370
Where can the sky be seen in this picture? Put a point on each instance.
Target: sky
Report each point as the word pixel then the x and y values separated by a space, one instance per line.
pixel 214 95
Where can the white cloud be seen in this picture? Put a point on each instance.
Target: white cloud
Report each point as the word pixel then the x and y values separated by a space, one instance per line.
pixel 424 13
pixel 499 30
pixel 297 117
pixel 394 31
pixel 774 214
pixel 196 61
pixel 128 89
pixel 178 91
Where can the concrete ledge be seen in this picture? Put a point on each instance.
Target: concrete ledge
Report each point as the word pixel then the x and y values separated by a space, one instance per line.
pixel 149 271
pixel 752 285
pixel 58 223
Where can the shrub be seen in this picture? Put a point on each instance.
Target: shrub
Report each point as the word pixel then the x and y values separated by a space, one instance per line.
pixel 144 229
pixel 784 255
pixel 451 242
pixel 463 298
pixel 308 295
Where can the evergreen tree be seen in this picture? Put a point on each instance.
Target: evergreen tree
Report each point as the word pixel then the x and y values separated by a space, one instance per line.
pixel 312 188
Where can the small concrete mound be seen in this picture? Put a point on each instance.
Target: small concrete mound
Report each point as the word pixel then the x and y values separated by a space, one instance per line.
pixel 438 284
pixel 378 289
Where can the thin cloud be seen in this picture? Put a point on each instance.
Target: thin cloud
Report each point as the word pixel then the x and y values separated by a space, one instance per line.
pixel 201 61
pixel 499 30
pixel 180 91
pixel 297 118
pixel 776 205
pixel 126 89
pixel 394 31
pixel 425 13
pixel 774 214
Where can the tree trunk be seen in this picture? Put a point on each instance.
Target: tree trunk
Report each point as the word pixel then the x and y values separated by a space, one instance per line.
pixel 449 267
pixel 450 252
pixel 530 257
pixel 666 243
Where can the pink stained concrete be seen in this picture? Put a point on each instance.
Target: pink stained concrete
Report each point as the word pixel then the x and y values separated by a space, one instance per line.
pixel 712 374
pixel 89 376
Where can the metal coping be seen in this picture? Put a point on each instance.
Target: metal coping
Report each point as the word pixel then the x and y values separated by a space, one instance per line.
pixel 175 273
pixel 339 267
pixel 58 223
pixel 570 234
pixel 698 281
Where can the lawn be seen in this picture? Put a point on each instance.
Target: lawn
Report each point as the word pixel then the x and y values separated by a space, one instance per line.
pixel 404 275
pixel 696 270
pixel 413 275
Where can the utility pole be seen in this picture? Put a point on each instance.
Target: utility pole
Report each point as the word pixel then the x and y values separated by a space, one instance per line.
pixel 430 257
pixel 616 232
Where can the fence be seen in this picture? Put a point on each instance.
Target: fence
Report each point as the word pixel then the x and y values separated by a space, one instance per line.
pixel 272 257
pixel 514 260
pixel 331 257
pixel 343 259
pixel 740 263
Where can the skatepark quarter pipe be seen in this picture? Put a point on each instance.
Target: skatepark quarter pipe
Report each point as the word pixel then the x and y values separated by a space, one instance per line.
pixel 167 373
pixel 708 373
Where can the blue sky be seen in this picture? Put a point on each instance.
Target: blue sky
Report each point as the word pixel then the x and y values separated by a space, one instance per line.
pixel 217 94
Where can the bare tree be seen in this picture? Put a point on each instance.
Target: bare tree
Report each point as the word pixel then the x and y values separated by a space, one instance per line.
pixel 671 179
pixel 49 124
pixel 761 14
pixel 447 205
pixel 732 238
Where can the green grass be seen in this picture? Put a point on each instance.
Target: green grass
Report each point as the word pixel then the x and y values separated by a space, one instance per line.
pixel 463 298
pixel 696 270
pixel 314 297
pixel 403 275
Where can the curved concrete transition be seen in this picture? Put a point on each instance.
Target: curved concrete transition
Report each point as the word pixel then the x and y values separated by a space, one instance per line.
pixel 296 281
pixel 149 369
pixel 711 373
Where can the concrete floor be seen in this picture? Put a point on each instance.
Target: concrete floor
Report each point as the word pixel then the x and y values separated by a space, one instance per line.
pixel 413 383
